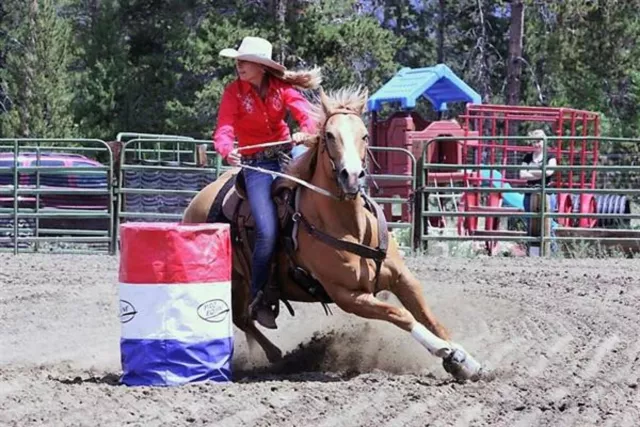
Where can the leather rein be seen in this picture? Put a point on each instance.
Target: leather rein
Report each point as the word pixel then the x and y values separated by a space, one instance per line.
pixel 378 254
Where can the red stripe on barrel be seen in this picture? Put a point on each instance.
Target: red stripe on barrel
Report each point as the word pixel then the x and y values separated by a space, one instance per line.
pixel 170 253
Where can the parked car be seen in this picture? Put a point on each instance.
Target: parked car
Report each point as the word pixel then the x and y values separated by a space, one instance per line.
pixel 73 183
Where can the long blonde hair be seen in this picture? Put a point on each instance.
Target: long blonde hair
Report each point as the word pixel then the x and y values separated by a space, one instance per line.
pixel 302 79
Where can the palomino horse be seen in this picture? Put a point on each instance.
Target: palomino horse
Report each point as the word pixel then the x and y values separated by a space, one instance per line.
pixel 342 240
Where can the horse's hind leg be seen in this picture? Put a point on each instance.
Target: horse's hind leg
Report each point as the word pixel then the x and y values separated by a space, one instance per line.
pixel 242 320
pixel 273 353
pixel 429 332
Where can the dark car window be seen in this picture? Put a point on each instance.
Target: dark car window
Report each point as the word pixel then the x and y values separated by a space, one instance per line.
pixel 54 179
pixel 6 177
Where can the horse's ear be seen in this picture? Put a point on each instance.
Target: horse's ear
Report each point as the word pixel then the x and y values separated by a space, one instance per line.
pixel 364 96
pixel 324 101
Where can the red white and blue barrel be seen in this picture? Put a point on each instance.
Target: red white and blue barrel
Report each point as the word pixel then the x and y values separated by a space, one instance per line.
pixel 175 303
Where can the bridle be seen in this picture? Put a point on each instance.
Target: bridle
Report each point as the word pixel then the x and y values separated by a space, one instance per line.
pixel 325 147
pixel 377 254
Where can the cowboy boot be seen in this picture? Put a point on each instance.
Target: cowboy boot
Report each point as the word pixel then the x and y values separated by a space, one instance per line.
pixel 271 294
pixel 261 312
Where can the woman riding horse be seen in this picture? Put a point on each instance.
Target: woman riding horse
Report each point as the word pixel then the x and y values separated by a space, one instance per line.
pixel 252 110
pixel 341 241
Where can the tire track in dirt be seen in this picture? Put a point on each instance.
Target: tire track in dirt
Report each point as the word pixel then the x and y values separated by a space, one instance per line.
pixel 559 338
pixel 466 416
pixel 410 416
pixel 355 412
pixel 547 356
pixel 259 411
pixel 590 353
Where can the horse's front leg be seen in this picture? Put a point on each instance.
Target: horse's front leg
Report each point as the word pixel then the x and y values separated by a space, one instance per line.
pixel 409 291
pixel 429 332
pixel 364 304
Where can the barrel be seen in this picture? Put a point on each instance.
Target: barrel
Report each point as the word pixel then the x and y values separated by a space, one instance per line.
pixel 175 303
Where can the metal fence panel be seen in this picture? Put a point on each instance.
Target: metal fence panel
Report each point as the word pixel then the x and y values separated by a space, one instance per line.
pixel 386 184
pixel 158 177
pixel 56 195
pixel 76 202
pixel 573 212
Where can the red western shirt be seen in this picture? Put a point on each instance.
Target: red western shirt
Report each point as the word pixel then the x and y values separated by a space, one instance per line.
pixel 245 116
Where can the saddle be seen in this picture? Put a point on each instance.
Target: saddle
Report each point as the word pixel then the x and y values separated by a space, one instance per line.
pixel 232 207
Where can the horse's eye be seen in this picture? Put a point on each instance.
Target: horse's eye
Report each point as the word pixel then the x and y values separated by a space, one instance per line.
pixel 330 136
pixel 365 138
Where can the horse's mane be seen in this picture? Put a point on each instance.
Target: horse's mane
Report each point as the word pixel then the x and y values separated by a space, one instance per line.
pixel 349 98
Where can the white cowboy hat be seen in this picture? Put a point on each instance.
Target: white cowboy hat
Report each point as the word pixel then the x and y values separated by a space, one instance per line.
pixel 254 49
pixel 538 133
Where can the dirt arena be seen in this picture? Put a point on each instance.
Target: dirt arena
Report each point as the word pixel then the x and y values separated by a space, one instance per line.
pixel 559 338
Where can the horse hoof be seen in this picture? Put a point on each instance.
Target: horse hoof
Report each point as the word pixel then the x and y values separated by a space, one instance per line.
pixel 462 366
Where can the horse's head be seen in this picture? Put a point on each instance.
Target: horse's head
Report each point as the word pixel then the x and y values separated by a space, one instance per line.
pixel 344 138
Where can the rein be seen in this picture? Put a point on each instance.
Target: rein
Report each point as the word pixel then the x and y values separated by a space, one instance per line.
pixel 310 186
pixel 294 179
pixel 265 145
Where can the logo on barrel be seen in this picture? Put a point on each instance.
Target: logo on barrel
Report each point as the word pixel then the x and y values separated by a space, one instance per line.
pixel 213 311
pixel 127 311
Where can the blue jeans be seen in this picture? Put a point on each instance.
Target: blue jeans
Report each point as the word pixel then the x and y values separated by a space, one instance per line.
pixel 298 151
pixel 264 212
pixel 552 207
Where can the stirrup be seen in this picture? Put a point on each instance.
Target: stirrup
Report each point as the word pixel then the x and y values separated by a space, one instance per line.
pixel 261 312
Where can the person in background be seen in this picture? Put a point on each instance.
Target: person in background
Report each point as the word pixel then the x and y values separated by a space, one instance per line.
pixel 253 110
pixel 533 175
pixel 534 159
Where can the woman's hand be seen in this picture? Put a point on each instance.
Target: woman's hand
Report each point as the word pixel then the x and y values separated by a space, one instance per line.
pixel 234 158
pixel 300 137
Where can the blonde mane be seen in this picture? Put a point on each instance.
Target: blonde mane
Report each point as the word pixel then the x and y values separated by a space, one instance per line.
pixel 350 98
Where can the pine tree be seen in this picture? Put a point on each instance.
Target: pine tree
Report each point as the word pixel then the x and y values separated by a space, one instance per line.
pixel 102 99
pixel 349 46
pixel 37 78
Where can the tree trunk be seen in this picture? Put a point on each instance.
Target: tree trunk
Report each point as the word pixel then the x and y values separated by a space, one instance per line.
pixel 280 13
pixel 23 108
pixel 441 27
pixel 514 68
